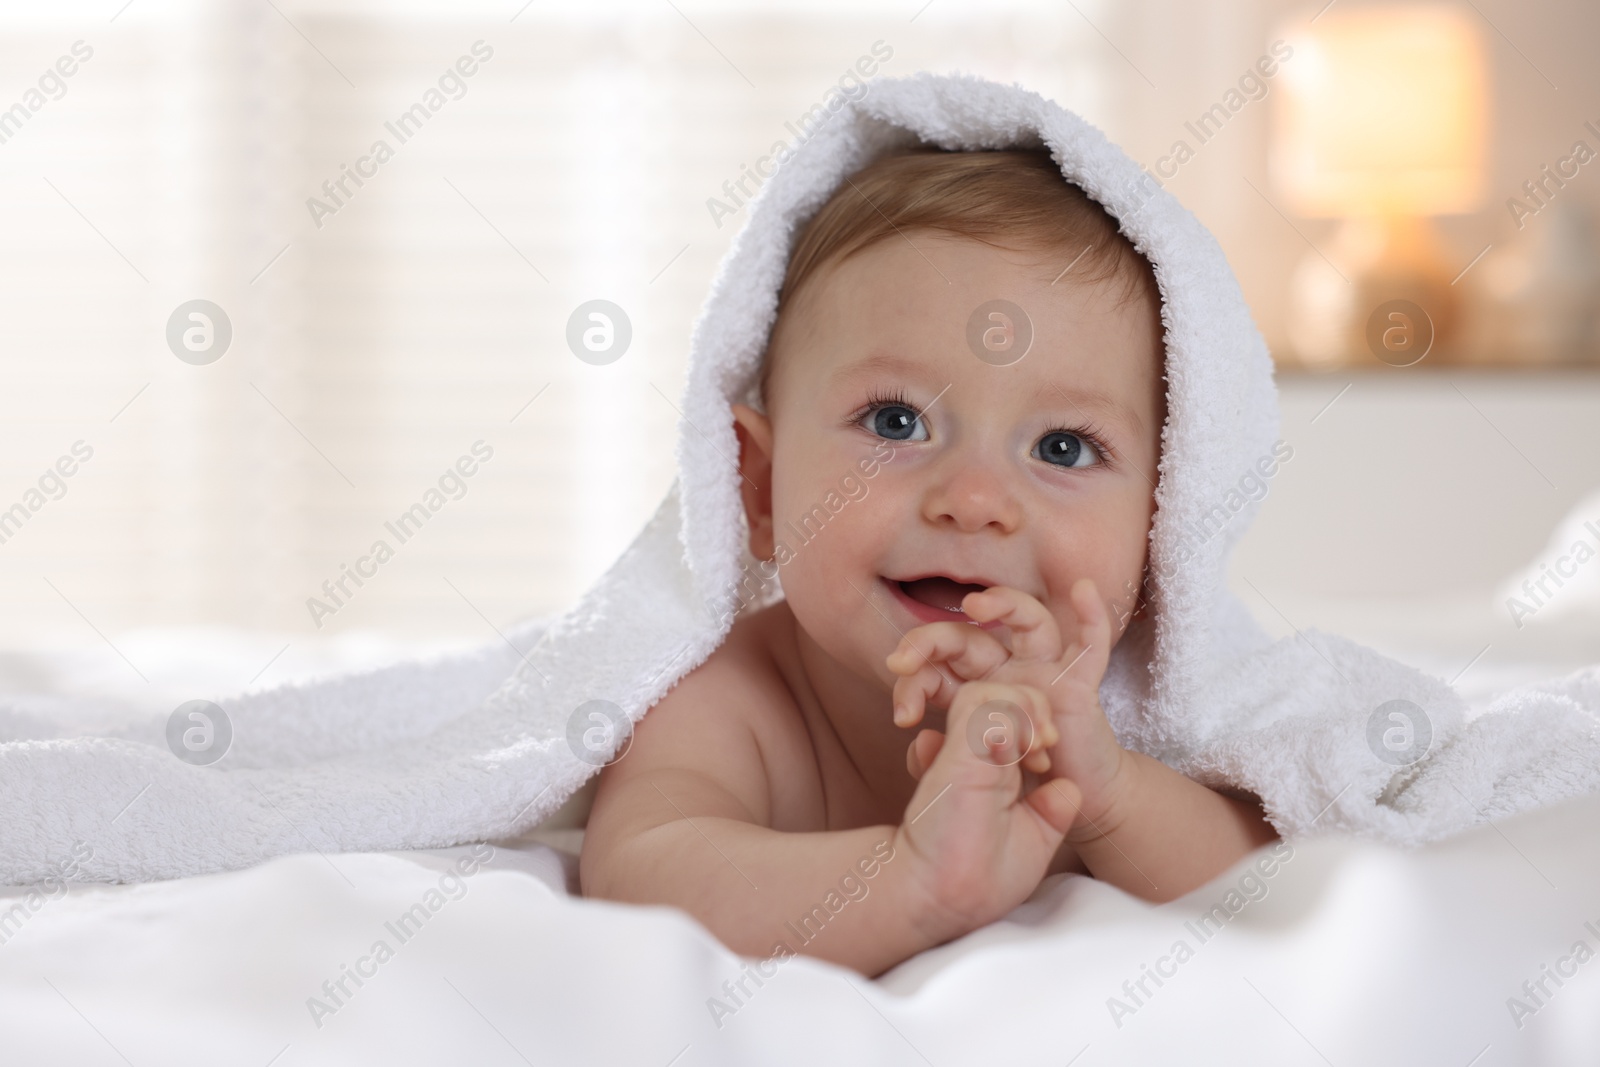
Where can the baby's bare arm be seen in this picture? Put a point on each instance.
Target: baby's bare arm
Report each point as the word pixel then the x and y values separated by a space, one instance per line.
pixel 763 892
pixel 1164 834
pixel 685 820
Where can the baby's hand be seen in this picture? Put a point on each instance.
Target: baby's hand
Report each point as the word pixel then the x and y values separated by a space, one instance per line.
pixel 979 847
pixel 1086 751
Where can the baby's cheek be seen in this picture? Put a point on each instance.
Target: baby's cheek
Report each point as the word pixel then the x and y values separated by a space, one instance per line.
pixel 831 580
pixel 1116 585
pixel 822 562
pixel 824 604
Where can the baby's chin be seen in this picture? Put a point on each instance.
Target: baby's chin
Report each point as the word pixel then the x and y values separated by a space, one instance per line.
pixel 856 637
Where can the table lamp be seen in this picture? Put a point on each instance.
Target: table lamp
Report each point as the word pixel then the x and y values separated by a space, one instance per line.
pixel 1381 123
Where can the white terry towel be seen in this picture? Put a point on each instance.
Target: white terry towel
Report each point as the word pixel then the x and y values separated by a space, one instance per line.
pixel 433 754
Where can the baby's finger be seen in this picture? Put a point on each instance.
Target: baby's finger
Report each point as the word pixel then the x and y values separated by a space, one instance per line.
pixel 913 694
pixel 971 653
pixel 1004 724
pixel 1087 657
pixel 921 752
pixel 1034 633
pixel 1058 802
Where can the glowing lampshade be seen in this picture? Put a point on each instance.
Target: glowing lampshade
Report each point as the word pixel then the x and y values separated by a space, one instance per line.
pixel 1383 113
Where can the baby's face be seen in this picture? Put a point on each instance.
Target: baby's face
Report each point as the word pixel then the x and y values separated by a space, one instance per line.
pixel 1031 475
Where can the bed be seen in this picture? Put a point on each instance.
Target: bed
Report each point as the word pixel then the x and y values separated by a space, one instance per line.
pixel 1480 950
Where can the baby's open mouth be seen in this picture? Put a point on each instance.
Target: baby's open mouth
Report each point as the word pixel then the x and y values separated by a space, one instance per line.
pixel 939 592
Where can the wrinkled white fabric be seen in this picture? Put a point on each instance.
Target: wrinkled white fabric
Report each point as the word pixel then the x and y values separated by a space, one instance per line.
pixel 1365 953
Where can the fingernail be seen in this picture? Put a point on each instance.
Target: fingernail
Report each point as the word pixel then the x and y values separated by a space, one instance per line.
pixel 900 714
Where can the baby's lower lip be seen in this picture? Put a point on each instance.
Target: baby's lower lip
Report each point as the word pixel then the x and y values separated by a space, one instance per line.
pixel 925 613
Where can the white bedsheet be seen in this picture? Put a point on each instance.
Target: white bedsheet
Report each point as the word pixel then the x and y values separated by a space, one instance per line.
pixel 1354 954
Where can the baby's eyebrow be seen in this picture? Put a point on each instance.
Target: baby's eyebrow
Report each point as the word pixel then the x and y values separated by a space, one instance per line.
pixel 879 363
pixel 1106 405
pixel 1080 398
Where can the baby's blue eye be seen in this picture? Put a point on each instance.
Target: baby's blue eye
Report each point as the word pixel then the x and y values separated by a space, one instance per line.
pixel 1066 450
pixel 898 423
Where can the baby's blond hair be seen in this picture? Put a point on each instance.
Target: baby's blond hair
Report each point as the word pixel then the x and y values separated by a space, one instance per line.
pixel 1015 198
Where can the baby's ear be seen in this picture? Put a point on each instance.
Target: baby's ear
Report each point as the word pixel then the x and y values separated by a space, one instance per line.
pixel 754 431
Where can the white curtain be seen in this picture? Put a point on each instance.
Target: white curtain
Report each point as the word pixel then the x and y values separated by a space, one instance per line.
pixel 369 353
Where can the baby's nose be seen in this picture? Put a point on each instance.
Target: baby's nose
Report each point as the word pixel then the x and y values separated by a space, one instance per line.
pixel 971 497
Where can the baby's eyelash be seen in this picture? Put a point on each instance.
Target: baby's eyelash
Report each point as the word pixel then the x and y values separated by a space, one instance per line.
pixel 877 399
pixel 1091 433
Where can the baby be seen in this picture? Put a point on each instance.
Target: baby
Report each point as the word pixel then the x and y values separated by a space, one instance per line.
pixel 999 501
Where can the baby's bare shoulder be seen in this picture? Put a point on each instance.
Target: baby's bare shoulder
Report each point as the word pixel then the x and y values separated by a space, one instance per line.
pixel 740 691
pixel 724 734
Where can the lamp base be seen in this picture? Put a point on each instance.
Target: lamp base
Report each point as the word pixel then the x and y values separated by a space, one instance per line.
pixel 1381 296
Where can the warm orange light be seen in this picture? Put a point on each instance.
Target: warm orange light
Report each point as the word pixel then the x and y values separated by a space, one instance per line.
pixel 1383 113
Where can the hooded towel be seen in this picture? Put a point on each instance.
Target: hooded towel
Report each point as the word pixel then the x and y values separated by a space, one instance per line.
pixel 1331 736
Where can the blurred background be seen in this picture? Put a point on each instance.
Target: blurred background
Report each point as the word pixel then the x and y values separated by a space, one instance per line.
pixel 1408 193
